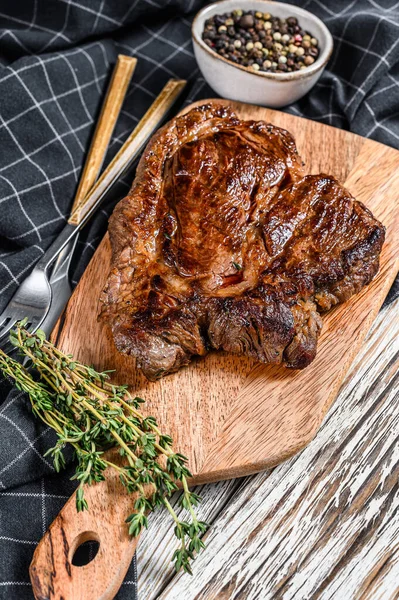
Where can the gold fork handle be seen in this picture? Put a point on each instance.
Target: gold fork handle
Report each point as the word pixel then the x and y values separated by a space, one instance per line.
pixel 121 76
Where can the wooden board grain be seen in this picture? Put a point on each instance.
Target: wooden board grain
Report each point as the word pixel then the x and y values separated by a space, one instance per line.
pixel 228 414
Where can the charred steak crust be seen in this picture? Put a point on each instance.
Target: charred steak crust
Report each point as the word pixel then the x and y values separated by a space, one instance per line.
pixel 224 243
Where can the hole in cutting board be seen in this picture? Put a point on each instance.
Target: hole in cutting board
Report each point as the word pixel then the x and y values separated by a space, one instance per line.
pixel 84 549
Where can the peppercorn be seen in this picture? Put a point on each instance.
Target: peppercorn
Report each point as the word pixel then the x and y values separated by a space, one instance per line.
pixel 261 41
pixel 246 21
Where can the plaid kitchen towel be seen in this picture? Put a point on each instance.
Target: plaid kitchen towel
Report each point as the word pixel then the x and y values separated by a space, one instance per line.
pixel 55 61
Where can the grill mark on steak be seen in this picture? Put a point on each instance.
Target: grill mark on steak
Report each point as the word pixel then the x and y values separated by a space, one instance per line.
pixel 224 243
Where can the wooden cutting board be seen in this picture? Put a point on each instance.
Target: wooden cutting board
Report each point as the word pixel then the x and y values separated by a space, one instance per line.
pixel 230 415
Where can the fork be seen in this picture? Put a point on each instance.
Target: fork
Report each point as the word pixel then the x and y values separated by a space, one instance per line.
pixel 59 279
pixel 33 298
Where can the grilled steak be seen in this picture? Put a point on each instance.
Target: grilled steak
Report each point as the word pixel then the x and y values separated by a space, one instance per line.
pixel 224 243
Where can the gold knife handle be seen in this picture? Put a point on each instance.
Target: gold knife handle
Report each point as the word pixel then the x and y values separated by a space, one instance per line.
pixel 110 110
pixel 130 149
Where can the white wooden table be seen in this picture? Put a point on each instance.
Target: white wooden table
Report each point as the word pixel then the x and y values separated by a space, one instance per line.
pixel 324 524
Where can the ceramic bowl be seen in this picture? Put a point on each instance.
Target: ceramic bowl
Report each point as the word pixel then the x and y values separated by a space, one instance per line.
pixel 235 82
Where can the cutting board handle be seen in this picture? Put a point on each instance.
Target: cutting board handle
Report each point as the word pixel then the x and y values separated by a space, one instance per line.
pixel 52 572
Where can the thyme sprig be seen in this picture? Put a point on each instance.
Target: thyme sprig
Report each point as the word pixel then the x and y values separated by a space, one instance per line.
pixel 92 415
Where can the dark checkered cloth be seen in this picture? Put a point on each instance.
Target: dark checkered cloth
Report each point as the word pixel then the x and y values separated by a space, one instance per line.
pixel 56 57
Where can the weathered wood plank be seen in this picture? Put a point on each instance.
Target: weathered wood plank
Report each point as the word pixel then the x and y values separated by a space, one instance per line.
pixel 325 524
pixel 155 550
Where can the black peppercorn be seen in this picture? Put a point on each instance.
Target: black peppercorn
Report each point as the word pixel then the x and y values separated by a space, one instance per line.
pixel 220 44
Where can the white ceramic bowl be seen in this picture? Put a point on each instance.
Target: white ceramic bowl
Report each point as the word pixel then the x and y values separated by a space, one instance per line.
pixel 235 82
